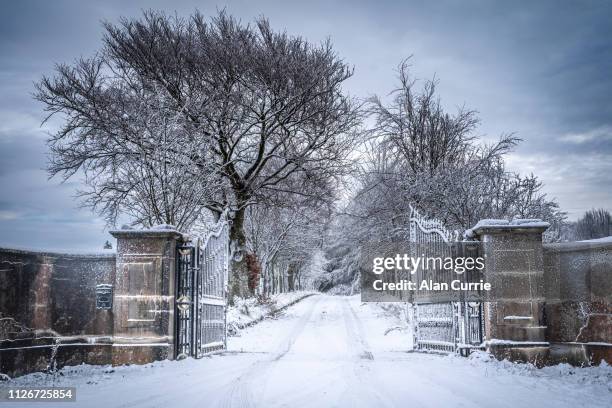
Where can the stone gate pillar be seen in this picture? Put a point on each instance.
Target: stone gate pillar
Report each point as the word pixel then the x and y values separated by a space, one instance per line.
pixel 143 298
pixel 514 317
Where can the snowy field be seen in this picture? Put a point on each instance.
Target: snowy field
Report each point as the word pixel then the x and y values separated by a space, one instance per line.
pixel 330 351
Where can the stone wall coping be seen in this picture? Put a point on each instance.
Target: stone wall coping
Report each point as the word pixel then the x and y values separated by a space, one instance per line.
pixel 148 233
pixel 53 253
pixel 500 226
pixel 576 246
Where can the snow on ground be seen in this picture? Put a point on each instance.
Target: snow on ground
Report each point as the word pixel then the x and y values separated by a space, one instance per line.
pixel 248 311
pixel 331 351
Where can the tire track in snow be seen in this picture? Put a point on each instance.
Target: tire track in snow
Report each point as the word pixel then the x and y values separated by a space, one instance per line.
pixel 186 387
pixel 361 334
pixel 241 392
pixel 365 372
pixel 360 366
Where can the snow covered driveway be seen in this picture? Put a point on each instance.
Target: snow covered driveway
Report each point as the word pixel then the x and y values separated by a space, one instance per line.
pixel 331 351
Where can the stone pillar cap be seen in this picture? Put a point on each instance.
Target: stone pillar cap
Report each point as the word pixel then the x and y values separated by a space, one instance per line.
pixel 158 231
pixel 533 225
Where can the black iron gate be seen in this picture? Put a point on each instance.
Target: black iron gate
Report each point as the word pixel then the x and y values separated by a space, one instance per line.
pixel 185 295
pixel 201 288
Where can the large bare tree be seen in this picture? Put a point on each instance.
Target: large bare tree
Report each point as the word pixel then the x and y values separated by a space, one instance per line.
pixel 425 156
pixel 130 148
pixel 258 112
pixel 421 155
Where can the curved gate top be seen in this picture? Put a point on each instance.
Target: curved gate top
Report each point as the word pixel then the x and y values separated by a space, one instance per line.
pixel 202 269
pixel 426 230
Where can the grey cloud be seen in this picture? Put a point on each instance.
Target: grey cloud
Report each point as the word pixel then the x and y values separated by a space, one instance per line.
pixel 539 69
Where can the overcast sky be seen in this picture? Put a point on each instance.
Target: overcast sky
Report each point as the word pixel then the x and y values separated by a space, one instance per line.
pixel 542 71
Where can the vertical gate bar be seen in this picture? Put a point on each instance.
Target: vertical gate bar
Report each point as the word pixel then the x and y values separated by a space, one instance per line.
pixel 198 317
pixel 226 261
pixel 455 319
pixel 192 309
pixel 177 279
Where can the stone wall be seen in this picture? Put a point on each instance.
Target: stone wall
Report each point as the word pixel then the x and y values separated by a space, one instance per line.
pixel 578 278
pixel 48 299
pixel 552 302
pixel 50 317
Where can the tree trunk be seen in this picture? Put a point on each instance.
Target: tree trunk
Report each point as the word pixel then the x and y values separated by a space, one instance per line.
pixel 291 278
pixel 238 279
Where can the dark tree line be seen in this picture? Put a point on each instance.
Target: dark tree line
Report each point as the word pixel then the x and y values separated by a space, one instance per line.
pixel 595 223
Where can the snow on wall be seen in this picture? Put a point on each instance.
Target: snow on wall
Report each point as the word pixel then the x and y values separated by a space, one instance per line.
pixel 506 224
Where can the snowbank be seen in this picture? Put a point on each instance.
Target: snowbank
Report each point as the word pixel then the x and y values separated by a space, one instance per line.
pixel 579 376
pixel 247 312
pixel 604 239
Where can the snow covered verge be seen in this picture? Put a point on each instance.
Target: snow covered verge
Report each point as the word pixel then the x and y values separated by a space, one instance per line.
pixel 387 325
pixel 579 376
pixel 604 239
pixel 247 312
pixel 330 351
